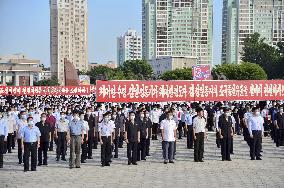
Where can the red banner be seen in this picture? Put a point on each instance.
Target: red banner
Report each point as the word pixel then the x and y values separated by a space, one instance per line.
pixel 162 91
pixel 46 90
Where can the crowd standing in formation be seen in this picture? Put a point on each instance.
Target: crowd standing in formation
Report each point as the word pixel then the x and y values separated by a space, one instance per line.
pixel 37 123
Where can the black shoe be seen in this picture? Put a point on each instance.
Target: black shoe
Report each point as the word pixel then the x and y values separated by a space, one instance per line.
pixel 165 162
pixel 229 159
pixel 260 155
pixel 148 155
pixel 50 149
pixel 232 153
pixel 103 165
pixel 20 163
pixel 171 162
pixel 129 163
pixel 196 161
pixel 83 161
pixel 201 161
pixel 110 161
pixel 95 147
pixel 9 151
pixel 115 157
pixel 1 166
pixel 45 164
pixel 39 164
pixel 191 148
pixel 107 164
pixel 134 163
pixel 57 159
pixel 223 159
pixel 63 159
pixel 70 167
pixel 33 170
pixel 258 158
pixel 252 159
pixel 78 167
pixel 90 158
pixel 26 170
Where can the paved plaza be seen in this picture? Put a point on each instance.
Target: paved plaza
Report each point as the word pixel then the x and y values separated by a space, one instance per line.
pixel 241 172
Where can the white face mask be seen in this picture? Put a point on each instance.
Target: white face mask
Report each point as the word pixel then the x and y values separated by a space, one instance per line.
pixel 114 116
pixel 227 114
pixel 171 117
pixel 62 116
pixel 132 117
pixel 257 113
pixel 31 123
pixel 106 119
pixel 142 115
pixel 81 117
pixel 147 115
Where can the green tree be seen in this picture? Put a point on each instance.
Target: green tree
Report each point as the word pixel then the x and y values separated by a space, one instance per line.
pixel 243 71
pixel 48 82
pixel 177 74
pixel 105 73
pixel 255 50
pixel 136 70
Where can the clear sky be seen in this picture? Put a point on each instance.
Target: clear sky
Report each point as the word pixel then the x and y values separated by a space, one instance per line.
pixel 24 27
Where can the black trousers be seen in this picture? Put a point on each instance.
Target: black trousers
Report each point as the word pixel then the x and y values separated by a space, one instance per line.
pixel 218 140
pixel 51 140
pixel 155 131
pixel 9 142
pixel 210 124
pixel 1 150
pixel 199 146
pixel 132 152
pixel 42 153
pixel 30 150
pixel 20 151
pixel 84 149
pixel 226 148
pixel 106 150
pixel 96 140
pixel 255 144
pixel 61 145
pixel 14 140
pixel 189 140
pixel 141 151
pixel 279 137
pixel 180 126
pixel 148 143
pixel 90 143
pixel 121 139
pixel 232 146
pixel 116 143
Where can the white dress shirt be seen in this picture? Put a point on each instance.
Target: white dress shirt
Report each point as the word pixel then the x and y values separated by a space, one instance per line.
pixel 169 127
pixel 199 124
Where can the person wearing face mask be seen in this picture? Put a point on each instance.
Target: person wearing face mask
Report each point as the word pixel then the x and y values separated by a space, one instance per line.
pixel 121 124
pixel 91 133
pixel 142 123
pixel 51 120
pixel 154 116
pixel 199 131
pixel 105 134
pixel 217 116
pixel 255 129
pixel 116 133
pixel 30 142
pixel 45 131
pixel 85 136
pixel 132 135
pixel 279 125
pixel 21 123
pixel 61 130
pixel 189 128
pixel 76 130
pixel 149 125
pixel 11 122
pixel 225 125
pixel 3 137
pixel 169 135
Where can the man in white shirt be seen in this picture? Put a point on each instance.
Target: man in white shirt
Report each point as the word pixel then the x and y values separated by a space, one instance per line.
pixel 255 129
pixel 199 124
pixel 11 122
pixel 154 116
pixel 169 133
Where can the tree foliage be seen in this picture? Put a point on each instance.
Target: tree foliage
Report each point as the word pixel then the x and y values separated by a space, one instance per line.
pixel 130 70
pixel 270 58
pixel 243 71
pixel 177 74
pixel 48 82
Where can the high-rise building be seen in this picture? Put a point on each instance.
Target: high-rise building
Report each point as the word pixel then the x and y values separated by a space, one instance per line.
pixel 68 35
pixel 244 17
pixel 129 47
pixel 177 28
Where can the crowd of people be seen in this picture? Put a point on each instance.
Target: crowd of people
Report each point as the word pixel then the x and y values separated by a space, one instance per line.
pixel 36 124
